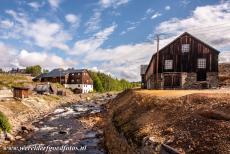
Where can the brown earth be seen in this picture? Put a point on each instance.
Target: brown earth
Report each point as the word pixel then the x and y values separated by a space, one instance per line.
pixel 224 74
pixel 188 121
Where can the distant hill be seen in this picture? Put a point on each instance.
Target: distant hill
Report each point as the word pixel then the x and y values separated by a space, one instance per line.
pixel 224 74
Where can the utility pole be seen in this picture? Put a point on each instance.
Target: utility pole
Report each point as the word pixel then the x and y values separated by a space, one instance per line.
pixel 60 74
pixel 158 41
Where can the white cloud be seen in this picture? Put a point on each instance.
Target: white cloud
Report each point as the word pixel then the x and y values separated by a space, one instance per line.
pixel 124 60
pixel 73 19
pixel 128 30
pixel 10 57
pixel 48 35
pixel 112 3
pixel 48 61
pixel 35 5
pixel 94 22
pixel 91 44
pixel 149 11
pixel 43 33
pixel 54 3
pixel 224 57
pixel 167 7
pixel 6 24
pixel 155 15
pixel 185 2
pixel 7 56
pixel 206 22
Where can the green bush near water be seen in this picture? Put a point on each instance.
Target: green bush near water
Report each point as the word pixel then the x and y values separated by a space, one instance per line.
pixel 4 123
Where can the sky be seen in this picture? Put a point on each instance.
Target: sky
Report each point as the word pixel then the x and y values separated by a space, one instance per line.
pixel 111 36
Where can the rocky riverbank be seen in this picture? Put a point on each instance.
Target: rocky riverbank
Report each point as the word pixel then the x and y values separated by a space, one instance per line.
pixel 23 113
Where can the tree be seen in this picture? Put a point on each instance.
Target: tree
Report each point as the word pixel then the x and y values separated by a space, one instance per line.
pixel 34 70
pixel 45 71
pixel 104 82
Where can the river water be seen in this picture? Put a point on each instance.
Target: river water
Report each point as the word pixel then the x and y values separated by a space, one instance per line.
pixel 63 131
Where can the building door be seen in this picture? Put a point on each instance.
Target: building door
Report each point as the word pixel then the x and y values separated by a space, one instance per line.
pixel 201 75
pixel 172 81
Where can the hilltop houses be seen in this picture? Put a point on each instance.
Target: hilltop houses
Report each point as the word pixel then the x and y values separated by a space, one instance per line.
pixel 185 63
pixel 76 79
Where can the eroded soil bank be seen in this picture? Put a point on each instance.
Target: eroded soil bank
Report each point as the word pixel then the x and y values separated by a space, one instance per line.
pixel 147 122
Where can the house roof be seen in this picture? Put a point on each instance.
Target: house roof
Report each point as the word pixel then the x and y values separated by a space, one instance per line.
pixel 185 33
pixel 61 72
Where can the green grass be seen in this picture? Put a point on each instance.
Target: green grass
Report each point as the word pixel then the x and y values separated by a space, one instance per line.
pixel 10 80
pixel 4 123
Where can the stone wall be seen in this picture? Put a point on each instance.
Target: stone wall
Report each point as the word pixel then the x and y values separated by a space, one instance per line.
pixel 189 81
pixel 213 79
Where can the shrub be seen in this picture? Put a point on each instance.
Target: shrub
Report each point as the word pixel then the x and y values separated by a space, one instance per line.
pixel 4 123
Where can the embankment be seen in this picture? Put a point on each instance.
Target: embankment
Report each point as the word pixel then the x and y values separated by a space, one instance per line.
pixel 145 121
pixel 23 112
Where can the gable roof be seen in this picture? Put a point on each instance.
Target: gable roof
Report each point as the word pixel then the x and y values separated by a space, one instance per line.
pixel 61 72
pixel 185 33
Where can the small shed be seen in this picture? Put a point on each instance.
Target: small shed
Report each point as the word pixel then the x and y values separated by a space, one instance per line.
pixel 20 92
pixel 44 88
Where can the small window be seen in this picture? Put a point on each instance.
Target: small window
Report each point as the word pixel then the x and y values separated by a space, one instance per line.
pixel 185 48
pixel 168 64
pixel 201 63
pixel 72 81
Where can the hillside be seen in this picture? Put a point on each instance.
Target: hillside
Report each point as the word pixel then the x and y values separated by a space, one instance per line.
pixel 9 80
pixel 224 74
pixel 143 121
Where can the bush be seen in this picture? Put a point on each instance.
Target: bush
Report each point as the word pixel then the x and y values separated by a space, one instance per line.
pixel 4 123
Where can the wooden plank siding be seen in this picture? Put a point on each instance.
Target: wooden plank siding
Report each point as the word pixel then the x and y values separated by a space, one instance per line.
pixel 183 62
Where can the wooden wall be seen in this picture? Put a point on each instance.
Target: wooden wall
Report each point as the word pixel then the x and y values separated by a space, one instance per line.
pixel 185 62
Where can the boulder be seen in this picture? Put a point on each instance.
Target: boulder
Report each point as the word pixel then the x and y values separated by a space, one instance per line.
pixel 9 137
pixel 28 128
pixel 18 137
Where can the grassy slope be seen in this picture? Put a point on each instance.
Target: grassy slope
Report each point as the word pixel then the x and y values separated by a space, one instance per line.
pixel 9 80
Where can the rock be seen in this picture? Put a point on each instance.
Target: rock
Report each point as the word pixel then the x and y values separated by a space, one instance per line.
pixel 18 137
pixel 63 132
pixel 171 139
pixel 109 95
pixel 169 130
pixel 28 128
pixel 88 98
pixel 9 137
pixel 25 131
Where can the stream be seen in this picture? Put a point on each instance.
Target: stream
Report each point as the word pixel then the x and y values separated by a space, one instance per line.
pixel 64 130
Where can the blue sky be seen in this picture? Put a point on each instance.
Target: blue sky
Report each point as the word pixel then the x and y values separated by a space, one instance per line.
pixel 113 36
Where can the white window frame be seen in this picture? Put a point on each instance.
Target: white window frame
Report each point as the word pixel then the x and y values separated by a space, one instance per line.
pixel 185 48
pixel 201 63
pixel 168 64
